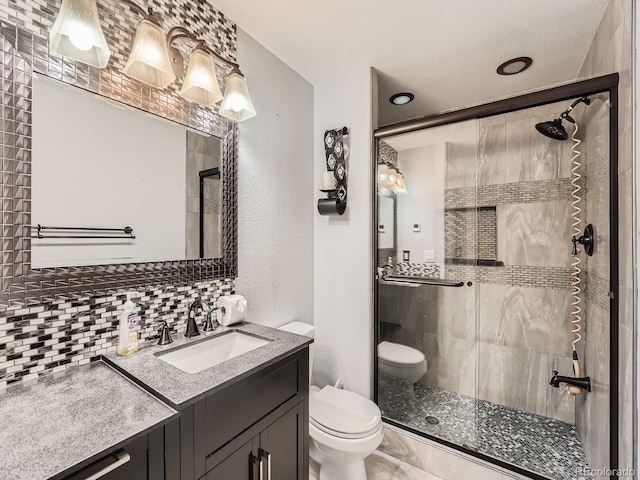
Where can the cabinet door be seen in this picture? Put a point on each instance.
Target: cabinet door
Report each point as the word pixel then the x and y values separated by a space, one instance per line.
pixel 240 465
pixel 282 446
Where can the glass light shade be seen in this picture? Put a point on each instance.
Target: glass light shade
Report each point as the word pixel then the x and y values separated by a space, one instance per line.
pixel 149 59
pixel 77 33
pixel 383 176
pixel 201 83
pixel 392 176
pixel 236 103
pixel 400 185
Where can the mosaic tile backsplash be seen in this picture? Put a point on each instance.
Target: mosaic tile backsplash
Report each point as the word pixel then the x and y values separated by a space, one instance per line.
pixel 40 340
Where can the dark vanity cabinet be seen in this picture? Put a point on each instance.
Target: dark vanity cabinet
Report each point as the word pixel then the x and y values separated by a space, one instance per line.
pixel 140 459
pixel 257 428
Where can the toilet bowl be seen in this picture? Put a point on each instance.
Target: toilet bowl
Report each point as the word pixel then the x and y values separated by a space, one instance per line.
pixel 344 427
pixel 401 361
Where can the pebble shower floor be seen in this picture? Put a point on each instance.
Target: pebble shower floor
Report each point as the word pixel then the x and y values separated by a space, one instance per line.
pixel 538 444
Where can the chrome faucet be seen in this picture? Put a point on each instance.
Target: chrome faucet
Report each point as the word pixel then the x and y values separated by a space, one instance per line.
pixel 192 326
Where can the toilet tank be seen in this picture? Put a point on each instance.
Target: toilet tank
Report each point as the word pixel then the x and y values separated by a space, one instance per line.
pixel 306 330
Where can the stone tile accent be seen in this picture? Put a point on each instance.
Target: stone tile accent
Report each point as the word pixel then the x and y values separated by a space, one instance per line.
pixel 50 337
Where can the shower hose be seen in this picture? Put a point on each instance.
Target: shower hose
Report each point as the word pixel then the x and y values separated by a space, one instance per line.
pixel 576 322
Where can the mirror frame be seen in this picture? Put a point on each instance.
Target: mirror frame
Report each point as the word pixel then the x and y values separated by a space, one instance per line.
pixel 25 54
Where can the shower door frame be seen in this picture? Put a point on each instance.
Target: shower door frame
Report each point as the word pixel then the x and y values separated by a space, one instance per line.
pixel 603 84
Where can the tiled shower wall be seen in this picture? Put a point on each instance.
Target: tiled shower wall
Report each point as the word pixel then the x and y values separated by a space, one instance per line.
pixel 522 308
pixel 611 51
pixel 57 317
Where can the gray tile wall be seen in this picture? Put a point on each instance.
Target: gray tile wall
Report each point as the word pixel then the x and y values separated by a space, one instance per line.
pixel 611 51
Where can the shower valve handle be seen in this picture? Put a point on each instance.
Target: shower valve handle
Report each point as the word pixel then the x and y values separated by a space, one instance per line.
pixel 575 241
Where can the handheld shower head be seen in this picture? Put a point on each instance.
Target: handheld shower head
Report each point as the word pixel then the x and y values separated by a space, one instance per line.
pixel 554 129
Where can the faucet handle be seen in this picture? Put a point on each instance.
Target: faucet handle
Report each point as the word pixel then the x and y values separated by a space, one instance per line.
pixel 208 321
pixel 165 334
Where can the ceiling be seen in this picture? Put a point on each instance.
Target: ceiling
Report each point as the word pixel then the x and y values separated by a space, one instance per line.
pixel 444 51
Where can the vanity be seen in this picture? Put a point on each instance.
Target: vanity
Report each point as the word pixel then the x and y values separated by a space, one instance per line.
pixel 140 417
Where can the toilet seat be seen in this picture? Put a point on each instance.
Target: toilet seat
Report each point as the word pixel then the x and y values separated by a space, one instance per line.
pixel 399 355
pixel 343 414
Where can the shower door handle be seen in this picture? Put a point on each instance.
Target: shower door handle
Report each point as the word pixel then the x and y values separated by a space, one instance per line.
pixel 422 281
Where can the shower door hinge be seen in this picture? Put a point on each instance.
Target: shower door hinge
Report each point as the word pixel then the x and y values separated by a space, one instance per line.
pixel 612 295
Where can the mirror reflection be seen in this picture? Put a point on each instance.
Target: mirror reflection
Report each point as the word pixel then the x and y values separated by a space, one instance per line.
pixel 98 164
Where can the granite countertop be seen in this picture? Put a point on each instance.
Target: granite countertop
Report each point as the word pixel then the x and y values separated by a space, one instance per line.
pixel 48 426
pixel 180 389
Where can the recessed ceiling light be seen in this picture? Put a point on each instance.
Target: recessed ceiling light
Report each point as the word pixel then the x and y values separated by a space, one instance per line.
pixel 401 98
pixel 514 66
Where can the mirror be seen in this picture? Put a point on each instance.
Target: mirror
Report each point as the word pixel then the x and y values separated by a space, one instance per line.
pixel 99 164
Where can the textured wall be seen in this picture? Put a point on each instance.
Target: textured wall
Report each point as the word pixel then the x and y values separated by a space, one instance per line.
pixel 611 51
pixel 275 191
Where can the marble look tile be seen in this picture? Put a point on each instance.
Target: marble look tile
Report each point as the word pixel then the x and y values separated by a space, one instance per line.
pixel 461 164
pixel 492 150
pixel 626 306
pixel 597 214
pixel 380 466
pixel 535 234
pixel 593 121
pixel 451 363
pixel 625 209
pixel 529 155
pixel 457 312
pixel 592 417
pixel 433 458
pixel 520 380
pixel 625 399
pixel 529 319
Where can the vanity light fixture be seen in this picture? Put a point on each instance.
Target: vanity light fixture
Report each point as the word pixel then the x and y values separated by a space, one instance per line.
pixel 149 60
pixel 390 179
pixel 237 104
pixel 153 60
pixel 201 81
pixel 77 33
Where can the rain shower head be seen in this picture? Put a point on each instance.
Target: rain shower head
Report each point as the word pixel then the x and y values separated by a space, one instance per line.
pixel 555 129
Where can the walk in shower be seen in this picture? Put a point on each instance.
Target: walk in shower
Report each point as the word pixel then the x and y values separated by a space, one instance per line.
pixel 485 287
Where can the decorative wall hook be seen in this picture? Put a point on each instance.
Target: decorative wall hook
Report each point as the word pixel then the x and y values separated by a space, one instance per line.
pixel 336 153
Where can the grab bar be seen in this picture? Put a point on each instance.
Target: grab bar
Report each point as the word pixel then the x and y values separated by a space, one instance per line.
pixel 422 281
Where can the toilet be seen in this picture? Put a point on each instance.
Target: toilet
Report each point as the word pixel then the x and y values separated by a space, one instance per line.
pixel 401 361
pixel 344 427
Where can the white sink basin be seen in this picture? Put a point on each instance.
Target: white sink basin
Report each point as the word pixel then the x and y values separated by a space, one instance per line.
pixel 213 351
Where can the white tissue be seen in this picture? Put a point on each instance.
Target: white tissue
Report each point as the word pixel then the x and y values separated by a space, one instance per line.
pixel 232 309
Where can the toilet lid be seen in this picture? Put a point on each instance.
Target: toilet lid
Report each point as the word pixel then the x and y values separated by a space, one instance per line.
pixel 343 414
pixel 394 353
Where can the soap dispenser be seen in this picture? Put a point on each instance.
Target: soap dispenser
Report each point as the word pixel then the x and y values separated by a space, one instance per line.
pixel 128 336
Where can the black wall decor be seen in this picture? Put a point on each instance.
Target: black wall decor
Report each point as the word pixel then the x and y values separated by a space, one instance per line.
pixel 336 154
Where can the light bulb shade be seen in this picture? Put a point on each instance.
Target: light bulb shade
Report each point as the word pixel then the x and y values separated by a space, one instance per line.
pixel 400 185
pixel 383 176
pixel 149 60
pixel 236 103
pixel 201 83
pixel 77 33
pixel 392 176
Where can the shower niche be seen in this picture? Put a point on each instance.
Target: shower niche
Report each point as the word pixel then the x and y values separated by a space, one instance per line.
pixel 496 273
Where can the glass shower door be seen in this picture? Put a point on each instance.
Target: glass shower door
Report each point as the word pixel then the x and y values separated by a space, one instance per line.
pixel 426 286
